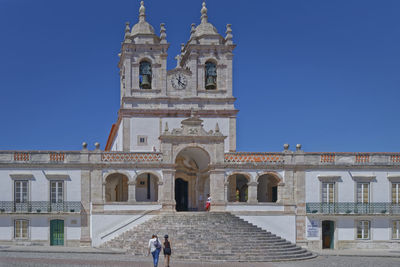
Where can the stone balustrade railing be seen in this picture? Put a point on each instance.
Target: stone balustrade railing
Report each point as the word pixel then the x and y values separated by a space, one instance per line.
pixel 232 158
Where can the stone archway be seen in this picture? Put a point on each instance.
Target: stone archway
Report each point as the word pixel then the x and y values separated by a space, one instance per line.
pixel 267 188
pixel 146 187
pixel 116 188
pixel 192 183
pixel 237 190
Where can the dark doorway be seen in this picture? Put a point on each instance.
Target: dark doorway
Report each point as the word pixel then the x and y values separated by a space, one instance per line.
pixel 328 229
pixel 274 196
pixel 181 195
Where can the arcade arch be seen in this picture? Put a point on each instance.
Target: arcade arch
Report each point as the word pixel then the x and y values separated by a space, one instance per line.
pixel 237 188
pixel 146 187
pixel 116 188
pixel 267 188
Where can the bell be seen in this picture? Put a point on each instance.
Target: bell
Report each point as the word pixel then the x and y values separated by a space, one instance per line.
pixel 210 83
pixel 145 82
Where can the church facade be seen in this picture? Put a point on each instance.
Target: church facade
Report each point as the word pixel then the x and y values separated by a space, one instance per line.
pixel 174 143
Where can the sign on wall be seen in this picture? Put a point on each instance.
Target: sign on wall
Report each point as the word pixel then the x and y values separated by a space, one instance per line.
pixel 312 228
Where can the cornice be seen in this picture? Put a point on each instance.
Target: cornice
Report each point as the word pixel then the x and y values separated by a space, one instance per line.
pixel 177 99
pixel 175 113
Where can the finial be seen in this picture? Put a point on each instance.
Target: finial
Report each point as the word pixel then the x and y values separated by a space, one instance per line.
pixel 142 12
pixel 217 128
pixel 97 145
pixel 127 31
pixel 84 146
pixel 182 47
pixel 298 147
pixel 204 13
pixel 166 127
pixel 229 35
pixel 193 29
pixel 163 34
pixel 127 27
pixel 178 60
pixel 286 147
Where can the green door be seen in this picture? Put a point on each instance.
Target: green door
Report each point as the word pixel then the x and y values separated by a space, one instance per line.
pixel 56 232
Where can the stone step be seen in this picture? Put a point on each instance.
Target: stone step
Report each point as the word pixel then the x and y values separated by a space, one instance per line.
pixel 210 237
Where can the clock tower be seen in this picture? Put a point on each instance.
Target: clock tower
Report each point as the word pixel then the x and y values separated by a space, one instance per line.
pixel 154 98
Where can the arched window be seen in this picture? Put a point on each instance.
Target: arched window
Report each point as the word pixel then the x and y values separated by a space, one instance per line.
pixel 145 75
pixel 211 76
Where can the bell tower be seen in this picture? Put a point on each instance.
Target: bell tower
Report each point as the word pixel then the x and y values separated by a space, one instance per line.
pixel 152 97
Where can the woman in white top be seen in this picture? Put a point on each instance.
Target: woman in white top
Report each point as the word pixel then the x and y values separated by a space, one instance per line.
pixel 154 248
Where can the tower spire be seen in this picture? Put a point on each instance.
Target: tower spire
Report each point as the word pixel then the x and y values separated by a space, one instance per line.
pixel 204 17
pixel 142 12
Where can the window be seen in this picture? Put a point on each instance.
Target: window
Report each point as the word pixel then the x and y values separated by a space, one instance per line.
pixel 362 192
pixel 21 191
pixel 328 192
pixel 145 75
pixel 363 230
pixel 396 230
pixel 211 76
pixel 396 193
pixel 21 229
pixel 56 191
pixel 142 140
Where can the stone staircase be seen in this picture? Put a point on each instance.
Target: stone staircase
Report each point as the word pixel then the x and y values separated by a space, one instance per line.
pixel 209 236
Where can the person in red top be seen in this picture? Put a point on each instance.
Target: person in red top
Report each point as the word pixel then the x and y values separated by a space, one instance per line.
pixel 208 202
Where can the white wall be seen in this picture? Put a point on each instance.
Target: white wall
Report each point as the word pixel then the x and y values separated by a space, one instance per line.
pixel 380 187
pixel 281 225
pixel 39 227
pixel 150 127
pixel 39 185
pixel 6 228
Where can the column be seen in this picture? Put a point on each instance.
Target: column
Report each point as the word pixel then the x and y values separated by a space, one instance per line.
pixel 159 190
pixel 132 191
pixel 217 189
pixel 252 193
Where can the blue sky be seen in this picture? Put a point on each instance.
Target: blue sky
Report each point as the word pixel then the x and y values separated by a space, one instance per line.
pixel 321 73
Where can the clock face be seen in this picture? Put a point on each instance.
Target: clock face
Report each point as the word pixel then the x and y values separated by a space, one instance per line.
pixel 179 81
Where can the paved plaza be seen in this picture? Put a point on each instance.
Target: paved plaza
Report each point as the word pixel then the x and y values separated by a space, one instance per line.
pixel 90 259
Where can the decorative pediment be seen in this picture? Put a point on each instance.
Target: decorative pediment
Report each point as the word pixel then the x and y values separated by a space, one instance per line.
pixel 192 126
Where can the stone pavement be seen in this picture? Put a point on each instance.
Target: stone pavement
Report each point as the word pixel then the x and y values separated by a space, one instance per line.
pixel 359 253
pixel 30 257
pixel 60 249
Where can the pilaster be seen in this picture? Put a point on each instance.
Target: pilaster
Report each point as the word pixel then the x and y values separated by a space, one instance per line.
pixel 132 191
pixel 252 193
pixel 85 212
pixel 217 178
pixel 166 190
pixel 126 134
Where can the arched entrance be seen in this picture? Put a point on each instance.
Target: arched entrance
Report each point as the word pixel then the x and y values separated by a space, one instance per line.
pixel 267 188
pixel 192 183
pixel 116 188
